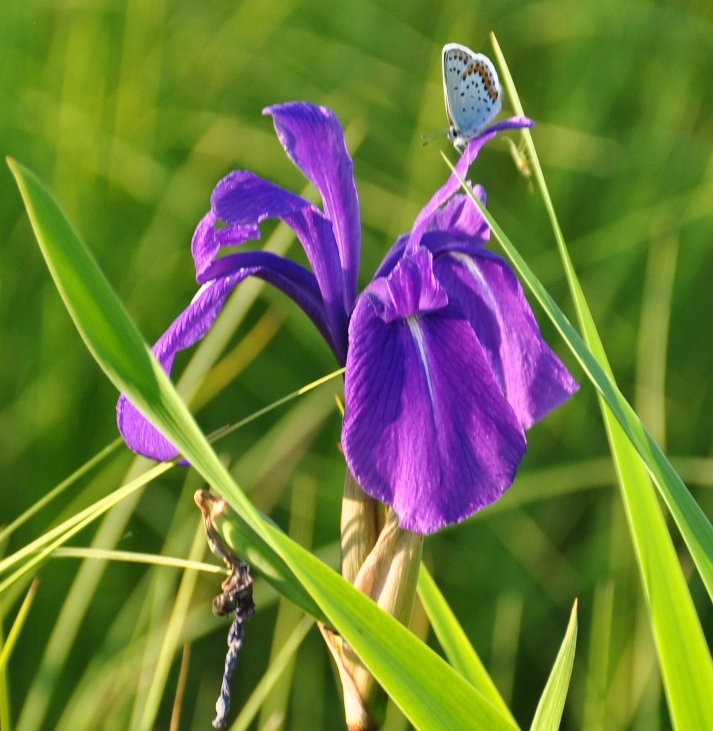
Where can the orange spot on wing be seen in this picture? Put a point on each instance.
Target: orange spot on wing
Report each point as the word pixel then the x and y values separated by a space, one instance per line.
pixel 485 76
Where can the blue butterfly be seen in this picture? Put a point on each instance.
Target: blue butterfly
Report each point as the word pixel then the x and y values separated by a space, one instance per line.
pixel 472 93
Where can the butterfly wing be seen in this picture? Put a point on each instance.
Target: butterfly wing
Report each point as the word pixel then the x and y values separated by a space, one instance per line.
pixel 471 89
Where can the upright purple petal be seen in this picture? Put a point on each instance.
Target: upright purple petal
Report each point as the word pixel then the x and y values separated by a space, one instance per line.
pixel 452 185
pixel 410 289
pixel 533 379
pixel 314 141
pixel 243 199
pixel 426 429
pixel 461 218
pixel 195 321
pixel 393 255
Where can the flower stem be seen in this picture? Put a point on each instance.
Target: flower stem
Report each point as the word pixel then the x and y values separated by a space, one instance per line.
pixel 384 568
pixel 360 524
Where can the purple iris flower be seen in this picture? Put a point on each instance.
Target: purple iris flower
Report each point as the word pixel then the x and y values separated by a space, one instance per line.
pixel 445 364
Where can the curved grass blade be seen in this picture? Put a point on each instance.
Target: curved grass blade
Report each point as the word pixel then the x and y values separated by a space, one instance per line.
pixel 685 660
pixel 63 532
pixel 549 710
pixel 695 527
pixel 648 528
pixel 460 653
pixel 429 692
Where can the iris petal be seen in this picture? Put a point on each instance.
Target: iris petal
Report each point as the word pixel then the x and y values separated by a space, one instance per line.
pixel 457 224
pixel 195 321
pixel 427 429
pixel 461 218
pixel 207 240
pixel 314 141
pixel 410 289
pixel 244 199
pixel 533 378
pixel 452 185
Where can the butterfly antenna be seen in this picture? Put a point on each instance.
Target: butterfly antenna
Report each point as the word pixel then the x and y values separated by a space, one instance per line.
pixel 427 139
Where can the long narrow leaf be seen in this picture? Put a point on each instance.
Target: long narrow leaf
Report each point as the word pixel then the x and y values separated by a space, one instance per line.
pixel 17 626
pixel 549 710
pixel 272 675
pixel 695 527
pixel 685 661
pixel 665 587
pixel 460 653
pixel 429 692
pixel 118 348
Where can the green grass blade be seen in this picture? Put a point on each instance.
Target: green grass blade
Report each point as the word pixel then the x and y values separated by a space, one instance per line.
pixel 665 586
pixel 172 636
pixel 4 691
pixel 429 692
pixel 17 625
pixel 272 675
pixel 695 527
pixel 685 661
pixel 180 688
pixel 460 653
pixel 6 648
pixel 549 710
pixel 153 559
pixel 301 530
pixel 59 489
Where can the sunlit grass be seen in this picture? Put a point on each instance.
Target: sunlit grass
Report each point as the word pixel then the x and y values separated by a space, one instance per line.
pixel 133 112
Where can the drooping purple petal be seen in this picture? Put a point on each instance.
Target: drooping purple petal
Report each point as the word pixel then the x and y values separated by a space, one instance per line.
pixel 314 141
pixel 533 379
pixel 244 199
pixel 427 429
pixel 299 284
pixel 207 240
pixel 189 327
pixel 452 184
pixel 195 321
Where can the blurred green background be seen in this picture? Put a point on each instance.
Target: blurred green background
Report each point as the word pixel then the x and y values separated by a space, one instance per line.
pixel 132 110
